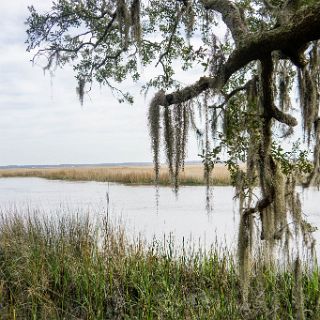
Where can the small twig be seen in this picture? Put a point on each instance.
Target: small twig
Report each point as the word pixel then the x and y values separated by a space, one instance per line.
pixel 233 93
pixel 174 29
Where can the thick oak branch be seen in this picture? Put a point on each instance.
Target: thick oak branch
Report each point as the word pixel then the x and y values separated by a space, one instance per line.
pixel 302 28
pixel 231 16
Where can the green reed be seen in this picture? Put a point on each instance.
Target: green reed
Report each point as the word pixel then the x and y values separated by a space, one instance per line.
pixel 71 269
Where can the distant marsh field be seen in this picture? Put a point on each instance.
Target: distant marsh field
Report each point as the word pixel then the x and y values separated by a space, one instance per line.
pixel 192 174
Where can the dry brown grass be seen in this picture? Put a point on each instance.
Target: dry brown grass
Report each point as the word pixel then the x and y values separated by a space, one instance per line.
pixel 192 175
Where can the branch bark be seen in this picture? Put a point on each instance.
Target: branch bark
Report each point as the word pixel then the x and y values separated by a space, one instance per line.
pixel 260 205
pixel 285 118
pixel 231 16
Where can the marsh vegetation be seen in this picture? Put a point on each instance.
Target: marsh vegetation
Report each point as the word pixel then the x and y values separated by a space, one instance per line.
pixel 192 174
pixel 72 269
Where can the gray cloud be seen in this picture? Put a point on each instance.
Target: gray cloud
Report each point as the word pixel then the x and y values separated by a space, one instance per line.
pixel 41 120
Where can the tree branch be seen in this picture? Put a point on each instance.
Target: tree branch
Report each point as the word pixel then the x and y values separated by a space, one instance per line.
pixel 230 95
pixel 269 6
pixel 231 16
pixel 260 205
pixel 107 29
pixel 173 32
pixel 302 28
pixel 285 118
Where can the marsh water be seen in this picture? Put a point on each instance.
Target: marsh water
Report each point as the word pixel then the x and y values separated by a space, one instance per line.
pixel 183 217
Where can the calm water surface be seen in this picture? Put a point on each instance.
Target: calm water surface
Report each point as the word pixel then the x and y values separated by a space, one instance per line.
pixel 135 207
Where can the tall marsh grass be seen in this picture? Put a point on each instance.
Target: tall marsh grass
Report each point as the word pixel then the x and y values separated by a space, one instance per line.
pixel 192 175
pixel 70 269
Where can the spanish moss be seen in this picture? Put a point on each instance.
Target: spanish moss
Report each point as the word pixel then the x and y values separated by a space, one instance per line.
pixel 178 134
pixel 284 85
pixel 208 165
pixel 309 103
pixel 168 132
pixel 298 290
pixel 154 128
pixel 80 90
pixel 185 132
pixel 123 21
pixel 245 252
pixel 135 21
pixel 189 18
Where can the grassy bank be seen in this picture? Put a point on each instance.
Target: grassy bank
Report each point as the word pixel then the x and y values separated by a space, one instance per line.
pixel 63 271
pixel 192 175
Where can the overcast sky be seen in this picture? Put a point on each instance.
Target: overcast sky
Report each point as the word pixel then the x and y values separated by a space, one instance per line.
pixel 41 119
